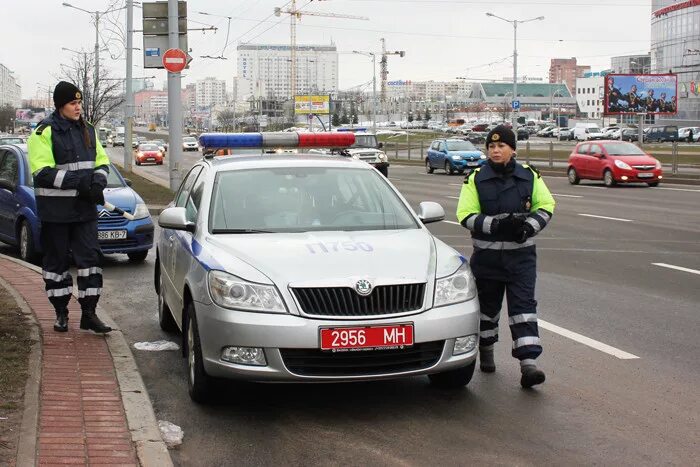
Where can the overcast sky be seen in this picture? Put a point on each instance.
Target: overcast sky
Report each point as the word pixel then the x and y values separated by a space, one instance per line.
pixel 443 39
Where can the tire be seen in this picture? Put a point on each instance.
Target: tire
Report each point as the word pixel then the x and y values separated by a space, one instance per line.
pixel 198 382
pixel 428 168
pixel 137 256
pixel 573 176
pixel 27 248
pixel 653 184
pixel 448 168
pixel 608 179
pixel 165 317
pixel 138 163
pixel 159 163
pixel 453 379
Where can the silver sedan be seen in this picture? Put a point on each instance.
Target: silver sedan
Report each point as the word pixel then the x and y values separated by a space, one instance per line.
pixel 310 268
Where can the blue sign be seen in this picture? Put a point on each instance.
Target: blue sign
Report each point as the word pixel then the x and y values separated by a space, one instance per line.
pixel 516 105
pixel 152 52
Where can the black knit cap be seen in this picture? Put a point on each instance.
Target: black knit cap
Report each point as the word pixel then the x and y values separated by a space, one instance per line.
pixel 64 93
pixel 501 134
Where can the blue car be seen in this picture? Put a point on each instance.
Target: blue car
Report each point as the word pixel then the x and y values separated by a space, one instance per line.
pixel 19 224
pixel 453 155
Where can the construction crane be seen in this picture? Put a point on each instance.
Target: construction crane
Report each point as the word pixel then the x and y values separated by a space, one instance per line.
pixel 294 15
pixel 384 70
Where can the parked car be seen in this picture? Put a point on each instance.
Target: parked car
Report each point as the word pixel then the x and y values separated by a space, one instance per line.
pixel 189 143
pixel 587 133
pixel 523 134
pixel 613 162
pixel 684 133
pixel 546 132
pixel 480 127
pixel 19 224
pixel 12 140
pixel 629 134
pixel 565 134
pixel 453 155
pixel 146 153
pixel 661 134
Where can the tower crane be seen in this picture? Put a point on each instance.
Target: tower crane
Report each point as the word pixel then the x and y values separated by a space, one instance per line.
pixel 294 15
pixel 384 70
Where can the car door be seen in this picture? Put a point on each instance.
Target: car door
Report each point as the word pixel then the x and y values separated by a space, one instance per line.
pixel 581 164
pixel 431 153
pixel 9 171
pixel 440 155
pixel 596 162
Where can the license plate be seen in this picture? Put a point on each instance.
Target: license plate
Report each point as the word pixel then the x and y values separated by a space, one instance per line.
pixel 111 234
pixel 472 164
pixel 645 175
pixel 150 159
pixel 371 337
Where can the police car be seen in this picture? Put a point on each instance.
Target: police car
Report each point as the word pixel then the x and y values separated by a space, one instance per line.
pixel 309 268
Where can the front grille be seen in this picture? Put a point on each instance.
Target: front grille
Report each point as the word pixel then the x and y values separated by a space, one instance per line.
pixel 315 362
pixel 125 243
pixel 111 220
pixel 344 301
pixel 643 167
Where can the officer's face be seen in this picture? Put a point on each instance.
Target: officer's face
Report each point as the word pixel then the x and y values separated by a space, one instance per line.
pixel 500 152
pixel 71 110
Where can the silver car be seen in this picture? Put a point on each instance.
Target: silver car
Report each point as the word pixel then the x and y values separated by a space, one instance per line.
pixel 310 268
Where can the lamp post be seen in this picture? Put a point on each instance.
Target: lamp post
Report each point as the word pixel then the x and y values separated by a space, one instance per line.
pixel 515 22
pixel 374 87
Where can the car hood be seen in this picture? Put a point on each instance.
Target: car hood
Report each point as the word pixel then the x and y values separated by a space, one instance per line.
pixel 465 154
pixel 334 258
pixel 636 160
pixel 123 197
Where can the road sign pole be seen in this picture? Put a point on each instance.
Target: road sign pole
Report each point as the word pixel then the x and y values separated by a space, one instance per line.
pixel 174 101
pixel 129 102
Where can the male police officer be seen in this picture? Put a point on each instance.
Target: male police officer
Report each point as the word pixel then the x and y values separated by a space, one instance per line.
pixel 70 170
pixel 504 204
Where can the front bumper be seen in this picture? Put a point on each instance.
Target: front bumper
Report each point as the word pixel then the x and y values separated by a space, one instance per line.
pixel 633 176
pixel 466 164
pixel 139 237
pixel 283 334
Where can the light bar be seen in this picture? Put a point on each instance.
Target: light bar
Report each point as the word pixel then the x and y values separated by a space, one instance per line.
pixel 276 140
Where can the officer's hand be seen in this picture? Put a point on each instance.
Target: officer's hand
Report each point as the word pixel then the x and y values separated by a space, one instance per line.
pixel 507 226
pixel 524 232
pixel 96 195
pixel 84 190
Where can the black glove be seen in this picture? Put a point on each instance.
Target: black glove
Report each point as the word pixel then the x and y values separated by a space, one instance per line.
pixel 524 232
pixel 84 190
pixel 508 226
pixel 96 195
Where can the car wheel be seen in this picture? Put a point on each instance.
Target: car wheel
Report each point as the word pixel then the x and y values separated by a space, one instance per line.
pixel 608 179
pixel 453 379
pixel 138 163
pixel 159 163
pixel 448 169
pixel 198 382
pixel 137 256
pixel 428 168
pixel 573 176
pixel 653 184
pixel 27 250
pixel 165 316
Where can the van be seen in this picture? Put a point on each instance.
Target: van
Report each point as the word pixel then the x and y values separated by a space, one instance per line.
pixel 587 133
pixel 661 134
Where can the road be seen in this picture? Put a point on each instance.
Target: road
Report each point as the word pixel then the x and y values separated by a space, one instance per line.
pixel 619 328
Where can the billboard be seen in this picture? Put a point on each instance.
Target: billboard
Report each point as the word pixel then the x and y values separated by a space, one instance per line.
pixel 631 94
pixel 304 105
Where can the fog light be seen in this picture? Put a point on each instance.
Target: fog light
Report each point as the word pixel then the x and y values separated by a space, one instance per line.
pixel 660 177
pixel 464 344
pixel 624 177
pixel 244 355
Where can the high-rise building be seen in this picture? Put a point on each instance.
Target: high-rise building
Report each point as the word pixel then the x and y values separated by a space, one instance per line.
pixel 267 68
pixel 211 92
pixel 631 64
pixel 566 70
pixel 675 48
pixel 10 90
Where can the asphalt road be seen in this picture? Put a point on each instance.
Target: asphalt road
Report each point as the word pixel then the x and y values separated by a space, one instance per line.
pixel 597 280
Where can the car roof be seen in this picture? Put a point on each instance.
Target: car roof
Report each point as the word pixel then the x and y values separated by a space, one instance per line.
pixel 240 162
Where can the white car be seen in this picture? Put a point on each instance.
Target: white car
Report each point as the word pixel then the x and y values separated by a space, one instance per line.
pixel 587 133
pixel 684 133
pixel 189 143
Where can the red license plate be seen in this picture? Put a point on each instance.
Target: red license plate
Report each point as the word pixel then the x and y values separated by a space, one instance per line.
pixel 371 337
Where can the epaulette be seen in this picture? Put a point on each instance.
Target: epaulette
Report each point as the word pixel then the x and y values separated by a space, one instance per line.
pixel 531 167
pixel 469 174
pixel 40 128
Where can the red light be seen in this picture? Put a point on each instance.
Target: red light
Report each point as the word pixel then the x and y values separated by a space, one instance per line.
pixel 326 140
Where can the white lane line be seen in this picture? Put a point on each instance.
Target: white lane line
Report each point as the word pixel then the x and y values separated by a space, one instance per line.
pixel 591 186
pixel 592 343
pixel 677 268
pixel 452 197
pixel 455 184
pixel 567 196
pixel 675 189
pixel 453 222
pixel 605 217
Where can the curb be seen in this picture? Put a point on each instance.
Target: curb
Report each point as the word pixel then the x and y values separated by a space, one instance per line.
pixel 145 434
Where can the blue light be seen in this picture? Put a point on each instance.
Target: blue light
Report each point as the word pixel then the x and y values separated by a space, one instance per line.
pixel 231 140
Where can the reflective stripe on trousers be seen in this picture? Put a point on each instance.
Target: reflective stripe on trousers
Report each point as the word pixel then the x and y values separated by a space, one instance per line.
pixel 486 245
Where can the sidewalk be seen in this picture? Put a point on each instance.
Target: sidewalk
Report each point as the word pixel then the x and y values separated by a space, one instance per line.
pixel 85 414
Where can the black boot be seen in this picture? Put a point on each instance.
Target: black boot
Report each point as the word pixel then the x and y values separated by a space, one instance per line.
pixel 486 361
pixel 531 376
pixel 90 321
pixel 61 324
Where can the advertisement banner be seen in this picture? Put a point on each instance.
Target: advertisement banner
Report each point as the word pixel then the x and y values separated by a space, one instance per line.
pixel 632 94
pixel 304 105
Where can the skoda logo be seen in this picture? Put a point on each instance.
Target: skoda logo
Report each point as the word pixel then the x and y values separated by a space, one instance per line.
pixel 103 213
pixel 363 287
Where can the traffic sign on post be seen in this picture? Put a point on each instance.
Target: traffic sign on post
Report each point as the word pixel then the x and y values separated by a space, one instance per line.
pixel 516 105
pixel 174 60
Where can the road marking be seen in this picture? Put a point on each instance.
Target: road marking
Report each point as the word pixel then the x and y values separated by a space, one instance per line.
pixel 567 196
pixel 452 197
pixel 591 186
pixel 453 222
pixel 605 217
pixel 678 268
pixel 455 184
pixel 675 189
pixel 592 343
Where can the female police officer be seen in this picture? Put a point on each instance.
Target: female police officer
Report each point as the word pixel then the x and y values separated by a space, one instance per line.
pixel 504 204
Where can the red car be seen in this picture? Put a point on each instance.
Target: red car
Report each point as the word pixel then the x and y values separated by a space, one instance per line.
pixel 613 162
pixel 148 153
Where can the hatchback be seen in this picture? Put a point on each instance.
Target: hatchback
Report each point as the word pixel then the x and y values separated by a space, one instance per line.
pixel 453 155
pixel 613 162
pixel 148 153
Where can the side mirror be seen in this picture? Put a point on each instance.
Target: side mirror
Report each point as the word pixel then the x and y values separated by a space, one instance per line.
pixel 8 185
pixel 175 218
pixel 128 182
pixel 429 211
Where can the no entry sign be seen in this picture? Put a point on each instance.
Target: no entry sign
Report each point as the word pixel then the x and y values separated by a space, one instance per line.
pixel 174 60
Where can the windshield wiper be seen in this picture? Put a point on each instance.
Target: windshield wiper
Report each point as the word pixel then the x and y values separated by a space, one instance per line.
pixel 237 231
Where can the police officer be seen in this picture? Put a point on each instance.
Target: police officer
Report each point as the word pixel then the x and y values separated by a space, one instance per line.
pixel 504 204
pixel 70 170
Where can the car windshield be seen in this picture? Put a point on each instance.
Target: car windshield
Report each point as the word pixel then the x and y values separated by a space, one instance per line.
pixel 113 179
pixel 623 149
pixel 365 141
pixel 11 141
pixel 148 147
pixel 460 146
pixel 302 199
pixel 594 130
pixel 189 139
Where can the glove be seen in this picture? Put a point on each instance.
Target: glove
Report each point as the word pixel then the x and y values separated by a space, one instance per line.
pixel 508 226
pixel 84 190
pixel 524 232
pixel 96 195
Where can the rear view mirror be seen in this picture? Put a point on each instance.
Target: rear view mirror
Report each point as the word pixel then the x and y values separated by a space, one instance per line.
pixel 175 218
pixel 429 211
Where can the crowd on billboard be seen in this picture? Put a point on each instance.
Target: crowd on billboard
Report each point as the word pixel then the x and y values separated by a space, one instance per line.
pixel 640 93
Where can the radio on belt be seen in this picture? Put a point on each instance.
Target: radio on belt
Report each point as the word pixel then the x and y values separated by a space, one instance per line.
pixel 214 141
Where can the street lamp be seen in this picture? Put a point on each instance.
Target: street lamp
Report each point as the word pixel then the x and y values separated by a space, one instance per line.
pixel 374 86
pixel 515 22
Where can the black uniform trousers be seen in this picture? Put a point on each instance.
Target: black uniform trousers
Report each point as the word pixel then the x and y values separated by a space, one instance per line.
pixel 514 273
pixel 61 240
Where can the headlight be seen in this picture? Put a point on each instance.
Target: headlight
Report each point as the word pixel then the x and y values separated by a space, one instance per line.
pixel 483 156
pixel 622 165
pixel 141 211
pixel 459 287
pixel 456 158
pixel 229 291
pixel 658 164
pixel 382 157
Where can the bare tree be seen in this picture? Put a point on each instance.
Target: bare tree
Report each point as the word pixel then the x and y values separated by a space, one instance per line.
pixel 7 116
pixel 99 98
pixel 226 119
